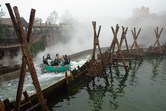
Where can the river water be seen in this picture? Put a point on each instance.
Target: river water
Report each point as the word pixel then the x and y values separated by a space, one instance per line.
pixel 8 89
pixel 142 89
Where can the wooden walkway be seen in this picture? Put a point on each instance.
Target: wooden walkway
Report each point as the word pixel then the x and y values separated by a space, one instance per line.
pixel 9 46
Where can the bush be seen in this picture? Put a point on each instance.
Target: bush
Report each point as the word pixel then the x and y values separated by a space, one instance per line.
pixel 36 47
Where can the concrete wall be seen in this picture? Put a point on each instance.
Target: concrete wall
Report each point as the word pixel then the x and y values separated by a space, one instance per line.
pixel 9 76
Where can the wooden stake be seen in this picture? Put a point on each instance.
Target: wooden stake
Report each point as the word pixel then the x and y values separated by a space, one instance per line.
pixel 7 105
pixel 114 42
pixel 27 54
pixel 96 43
pixel 66 76
pixel 135 36
pixel 123 37
pixel 158 34
pixel 31 21
pixel 2 107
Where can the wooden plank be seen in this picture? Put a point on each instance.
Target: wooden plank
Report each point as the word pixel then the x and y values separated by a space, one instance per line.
pixel 9 46
pixel 124 58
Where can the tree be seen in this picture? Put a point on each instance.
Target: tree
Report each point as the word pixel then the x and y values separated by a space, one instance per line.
pixel 38 20
pixel 67 15
pixel 53 17
pixel 2 13
pixel 3 30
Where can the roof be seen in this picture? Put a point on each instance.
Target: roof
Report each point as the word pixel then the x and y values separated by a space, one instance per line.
pixel 8 22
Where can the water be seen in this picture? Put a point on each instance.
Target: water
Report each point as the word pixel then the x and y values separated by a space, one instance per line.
pixel 8 89
pixel 143 89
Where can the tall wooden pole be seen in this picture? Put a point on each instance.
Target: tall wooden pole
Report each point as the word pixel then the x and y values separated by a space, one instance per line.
pixel 96 43
pixel 26 58
pixel 135 36
pixel 115 41
pixel 23 68
pixel 158 34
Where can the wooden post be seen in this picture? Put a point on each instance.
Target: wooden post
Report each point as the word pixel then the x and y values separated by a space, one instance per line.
pixel 114 42
pixel 23 68
pixel 123 37
pixel 7 105
pixel 31 21
pixel 158 34
pixel 66 76
pixel 27 97
pixel 22 74
pixel 2 107
pixel 135 36
pixel 96 43
pixel 27 55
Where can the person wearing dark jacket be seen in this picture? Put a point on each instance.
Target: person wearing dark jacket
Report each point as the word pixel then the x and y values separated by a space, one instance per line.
pixel 66 60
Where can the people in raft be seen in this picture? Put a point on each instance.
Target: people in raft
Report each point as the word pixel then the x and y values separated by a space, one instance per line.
pixel 57 61
pixel 49 60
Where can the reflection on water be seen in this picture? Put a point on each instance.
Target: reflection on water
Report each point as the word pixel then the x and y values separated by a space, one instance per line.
pixel 155 63
pixel 108 88
pixel 142 89
pixel 133 70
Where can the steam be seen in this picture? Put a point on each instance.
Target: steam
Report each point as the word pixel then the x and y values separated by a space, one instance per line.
pixel 7 61
pixel 81 35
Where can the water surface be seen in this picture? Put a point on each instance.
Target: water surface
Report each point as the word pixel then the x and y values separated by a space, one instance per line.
pixel 142 89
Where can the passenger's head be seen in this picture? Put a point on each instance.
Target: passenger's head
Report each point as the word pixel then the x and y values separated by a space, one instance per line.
pixel 65 56
pixel 48 56
pixel 57 55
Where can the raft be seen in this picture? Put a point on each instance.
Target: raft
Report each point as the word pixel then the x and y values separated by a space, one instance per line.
pixel 56 68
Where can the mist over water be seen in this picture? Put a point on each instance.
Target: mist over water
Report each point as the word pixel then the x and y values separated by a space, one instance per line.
pixel 12 61
pixel 81 35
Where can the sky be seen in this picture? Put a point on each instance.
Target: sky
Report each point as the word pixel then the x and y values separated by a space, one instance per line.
pixel 84 9
pixel 106 12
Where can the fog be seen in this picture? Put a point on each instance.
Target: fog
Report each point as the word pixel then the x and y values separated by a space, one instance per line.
pixel 84 9
pixel 106 13
pixel 81 36
pixel 7 61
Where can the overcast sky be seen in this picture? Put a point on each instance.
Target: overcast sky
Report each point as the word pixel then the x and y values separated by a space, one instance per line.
pixel 87 9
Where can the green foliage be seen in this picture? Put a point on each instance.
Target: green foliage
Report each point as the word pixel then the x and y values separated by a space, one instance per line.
pixel 36 47
pixel 3 31
pixel 2 13
pixel 38 20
